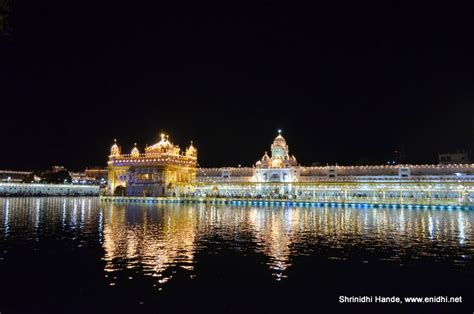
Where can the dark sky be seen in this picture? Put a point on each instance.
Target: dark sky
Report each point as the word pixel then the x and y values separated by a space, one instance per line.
pixel 345 81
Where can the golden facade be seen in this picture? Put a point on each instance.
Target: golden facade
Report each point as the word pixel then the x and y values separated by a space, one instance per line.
pixel 162 170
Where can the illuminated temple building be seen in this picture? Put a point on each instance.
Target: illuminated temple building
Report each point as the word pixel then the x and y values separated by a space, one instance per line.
pixel 162 170
pixel 279 175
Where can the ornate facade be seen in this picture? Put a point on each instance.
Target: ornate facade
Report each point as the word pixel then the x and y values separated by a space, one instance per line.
pixel 280 167
pixel 280 176
pixel 162 170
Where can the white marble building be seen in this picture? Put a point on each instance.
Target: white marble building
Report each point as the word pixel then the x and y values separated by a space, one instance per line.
pixel 279 175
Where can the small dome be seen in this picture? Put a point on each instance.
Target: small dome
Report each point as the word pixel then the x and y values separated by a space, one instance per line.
pixel 191 151
pixel 265 157
pixel 115 150
pixel 163 146
pixel 135 152
pixel 164 143
pixel 279 140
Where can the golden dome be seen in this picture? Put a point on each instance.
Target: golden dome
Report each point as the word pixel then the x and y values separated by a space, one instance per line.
pixel 115 150
pixel 135 152
pixel 164 146
pixel 191 151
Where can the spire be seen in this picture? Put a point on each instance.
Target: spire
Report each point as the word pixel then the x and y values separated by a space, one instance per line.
pixel 191 151
pixel 135 152
pixel 115 150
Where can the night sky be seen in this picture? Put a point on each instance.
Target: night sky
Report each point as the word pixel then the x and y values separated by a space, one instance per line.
pixel 346 82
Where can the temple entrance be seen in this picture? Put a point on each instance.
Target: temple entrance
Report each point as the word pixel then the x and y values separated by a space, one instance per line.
pixel 119 191
pixel 170 189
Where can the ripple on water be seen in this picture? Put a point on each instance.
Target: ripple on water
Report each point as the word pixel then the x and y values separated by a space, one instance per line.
pixel 157 240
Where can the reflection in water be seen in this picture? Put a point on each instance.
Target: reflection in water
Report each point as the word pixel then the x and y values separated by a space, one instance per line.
pixel 149 238
pixel 274 230
pixel 157 237
pixel 6 214
pixel 159 240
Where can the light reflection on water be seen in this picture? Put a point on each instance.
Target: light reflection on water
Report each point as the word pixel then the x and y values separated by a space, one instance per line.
pixel 158 239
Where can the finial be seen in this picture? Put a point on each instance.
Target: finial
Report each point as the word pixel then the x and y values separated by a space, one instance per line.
pixel 135 144
pixel 191 142
pixel 279 131
pixel 115 140
pixel 162 136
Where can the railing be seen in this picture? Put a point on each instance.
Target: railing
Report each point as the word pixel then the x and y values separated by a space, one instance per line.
pixel 48 185
pixel 467 204
pixel 127 159
pixel 152 155
pixel 222 179
pixel 378 167
pixel 355 179
pixel 394 178
pixel 35 189
pixel 13 172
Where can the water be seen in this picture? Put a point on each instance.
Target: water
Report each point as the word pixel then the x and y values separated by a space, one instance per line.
pixel 67 255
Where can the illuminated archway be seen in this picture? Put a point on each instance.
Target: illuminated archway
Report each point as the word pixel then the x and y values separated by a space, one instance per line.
pixel 119 191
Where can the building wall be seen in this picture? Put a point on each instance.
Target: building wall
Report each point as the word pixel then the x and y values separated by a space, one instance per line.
pixel 276 174
pixel 116 177
pixel 420 182
pixel 226 172
pixel 26 189
pixel 306 173
pixel 150 180
pixel 386 170
pixel 14 176
pixel 280 174
pixel 396 190
pixel 97 173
